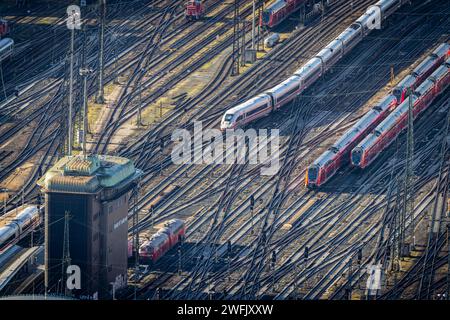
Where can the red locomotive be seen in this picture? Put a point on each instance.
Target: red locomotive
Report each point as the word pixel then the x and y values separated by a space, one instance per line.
pixel 422 71
pixel 384 134
pixel 166 238
pixel 4 28
pixel 278 11
pixel 194 9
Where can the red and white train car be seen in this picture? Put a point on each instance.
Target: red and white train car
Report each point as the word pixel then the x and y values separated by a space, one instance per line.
pixel 195 9
pixel 166 238
pixel 388 130
pixel 422 71
pixel 278 11
pixel 331 160
pixel 4 28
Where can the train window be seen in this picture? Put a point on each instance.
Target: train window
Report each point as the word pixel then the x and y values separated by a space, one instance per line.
pixel 229 117
pixel 377 133
pixel 312 173
pixel 356 156
pixel 355 26
pixel 266 17
pixel 287 94
pixel 311 75
pixel 256 110
pixel 240 118
pixel 397 92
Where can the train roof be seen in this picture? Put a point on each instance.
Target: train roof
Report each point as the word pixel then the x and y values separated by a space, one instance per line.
pixel 424 86
pixel 276 6
pixel 367 141
pixel 442 50
pixel 385 4
pixel 324 158
pixel 391 119
pixel 406 82
pixel 255 101
pixel 439 72
pixel 286 83
pixel 27 213
pixel 310 64
pixel 344 35
pixel 18 212
pixel 156 240
pixel 335 44
pixel 7 231
pixel 6 43
pixel 173 224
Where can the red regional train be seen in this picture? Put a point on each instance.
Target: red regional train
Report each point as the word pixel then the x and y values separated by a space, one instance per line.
pixel 339 154
pixel 388 130
pixel 422 71
pixel 157 245
pixel 278 11
pixel 331 160
pixel 194 10
pixel 4 29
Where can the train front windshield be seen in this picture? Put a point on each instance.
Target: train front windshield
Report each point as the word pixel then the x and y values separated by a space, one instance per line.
pixel 228 117
pixel 397 92
pixel 266 17
pixel 312 174
pixel 356 156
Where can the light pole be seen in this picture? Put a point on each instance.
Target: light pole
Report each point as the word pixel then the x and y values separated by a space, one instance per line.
pixel 100 96
pixel 84 72
pixel 253 25
pixel 74 17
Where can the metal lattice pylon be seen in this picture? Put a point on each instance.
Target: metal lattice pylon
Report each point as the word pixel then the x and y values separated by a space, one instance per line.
pixel 236 36
pixel 66 260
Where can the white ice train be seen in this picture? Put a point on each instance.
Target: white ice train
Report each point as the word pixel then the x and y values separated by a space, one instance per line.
pixel 261 105
pixel 18 225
